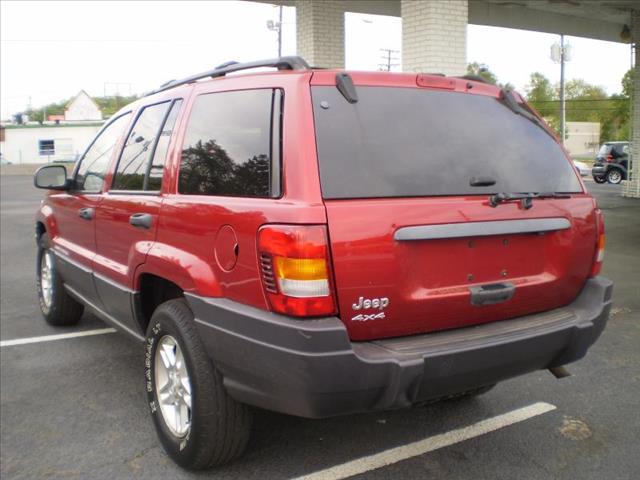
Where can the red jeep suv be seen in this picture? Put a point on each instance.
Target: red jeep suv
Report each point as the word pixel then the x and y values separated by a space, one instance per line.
pixel 321 242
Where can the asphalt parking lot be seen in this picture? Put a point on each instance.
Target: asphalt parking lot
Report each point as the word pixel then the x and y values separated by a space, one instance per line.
pixel 75 408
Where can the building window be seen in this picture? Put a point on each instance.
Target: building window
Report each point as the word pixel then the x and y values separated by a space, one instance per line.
pixel 46 147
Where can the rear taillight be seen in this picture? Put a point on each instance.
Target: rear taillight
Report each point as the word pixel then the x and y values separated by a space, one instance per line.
pixel 600 241
pixel 295 267
pixel 609 158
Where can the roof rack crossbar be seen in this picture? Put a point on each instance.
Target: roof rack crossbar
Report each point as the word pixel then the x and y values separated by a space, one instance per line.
pixel 282 63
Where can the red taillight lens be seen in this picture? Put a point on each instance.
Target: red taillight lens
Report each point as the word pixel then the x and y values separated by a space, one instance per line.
pixel 296 275
pixel 609 158
pixel 600 242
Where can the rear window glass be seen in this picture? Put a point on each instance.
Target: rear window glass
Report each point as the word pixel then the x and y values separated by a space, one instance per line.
pixel 402 142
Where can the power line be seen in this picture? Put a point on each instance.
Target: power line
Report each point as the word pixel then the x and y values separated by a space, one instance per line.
pixel 582 100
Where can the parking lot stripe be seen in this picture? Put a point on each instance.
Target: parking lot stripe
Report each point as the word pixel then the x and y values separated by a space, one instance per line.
pixel 398 454
pixel 51 338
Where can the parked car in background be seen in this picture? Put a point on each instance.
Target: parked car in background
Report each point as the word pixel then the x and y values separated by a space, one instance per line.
pixel 582 167
pixel 611 163
pixel 298 241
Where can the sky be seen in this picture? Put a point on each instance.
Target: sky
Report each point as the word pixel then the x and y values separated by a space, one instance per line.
pixel 51 50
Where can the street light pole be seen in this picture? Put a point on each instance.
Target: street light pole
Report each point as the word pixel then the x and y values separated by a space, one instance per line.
pixel 280 32
pixel 562 102
pixel 277 27
pixel 561 53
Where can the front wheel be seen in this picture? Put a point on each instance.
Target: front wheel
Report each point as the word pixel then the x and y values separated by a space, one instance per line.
pixel 199 424
pixel 599 179
pixel 57 306
pixel 614 176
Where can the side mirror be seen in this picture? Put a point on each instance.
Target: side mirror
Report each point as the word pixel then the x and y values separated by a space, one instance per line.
pixel 51 177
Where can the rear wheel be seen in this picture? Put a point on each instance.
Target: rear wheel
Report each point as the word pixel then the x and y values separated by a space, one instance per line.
pixel 614 176
pixel 57 306
pixel 199 424
pixel 599 179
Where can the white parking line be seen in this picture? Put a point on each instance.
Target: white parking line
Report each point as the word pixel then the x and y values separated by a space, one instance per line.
pixel 395 455
pixel 51 338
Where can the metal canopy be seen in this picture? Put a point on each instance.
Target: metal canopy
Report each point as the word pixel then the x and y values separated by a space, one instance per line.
pixel 601 20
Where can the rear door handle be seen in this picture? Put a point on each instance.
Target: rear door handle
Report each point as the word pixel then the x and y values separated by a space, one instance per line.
pixel 492 293
pixel 86 213
pixel 141 220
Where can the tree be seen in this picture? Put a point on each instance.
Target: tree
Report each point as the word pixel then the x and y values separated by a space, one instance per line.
pixel 483 71
pixel 108 106
pixel 584 103
pixel 578 88
pixel 627 84
pixel 541 94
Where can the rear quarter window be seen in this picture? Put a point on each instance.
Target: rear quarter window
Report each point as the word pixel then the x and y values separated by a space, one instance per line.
pixel 232 145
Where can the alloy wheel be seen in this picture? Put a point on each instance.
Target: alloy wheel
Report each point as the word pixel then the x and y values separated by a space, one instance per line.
pixel 173 386
pixel 46 278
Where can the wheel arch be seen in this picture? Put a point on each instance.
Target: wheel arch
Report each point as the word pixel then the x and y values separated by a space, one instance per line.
pixel 45 222
pixel 153 292
pixel 168 273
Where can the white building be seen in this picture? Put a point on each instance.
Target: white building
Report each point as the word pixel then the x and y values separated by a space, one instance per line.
pixel 62 140
pixel 583 139
pixel 46 143
pixel 82 108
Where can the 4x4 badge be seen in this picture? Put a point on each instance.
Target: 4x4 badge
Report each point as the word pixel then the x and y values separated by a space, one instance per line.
pixel 367 303
pixel 363 317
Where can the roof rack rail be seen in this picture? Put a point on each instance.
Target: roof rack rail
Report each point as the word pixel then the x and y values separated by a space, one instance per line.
pixel 282 63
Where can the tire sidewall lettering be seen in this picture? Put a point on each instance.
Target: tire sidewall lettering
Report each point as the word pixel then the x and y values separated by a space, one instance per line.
pixel 156 331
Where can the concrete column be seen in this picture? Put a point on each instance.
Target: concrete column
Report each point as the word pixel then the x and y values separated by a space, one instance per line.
pixel 434 36
pixel 320 32
pixel 632 188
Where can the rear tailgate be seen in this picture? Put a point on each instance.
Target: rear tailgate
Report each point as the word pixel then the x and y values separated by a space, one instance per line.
pixel 415 247
pixel 428 282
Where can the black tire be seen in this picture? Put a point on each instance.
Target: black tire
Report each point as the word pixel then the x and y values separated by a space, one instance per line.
pixel 63 310
pixel 599 179
pixel 615 176
pixel 220 426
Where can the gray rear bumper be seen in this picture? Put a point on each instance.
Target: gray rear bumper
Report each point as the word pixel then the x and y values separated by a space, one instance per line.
pixel 310 368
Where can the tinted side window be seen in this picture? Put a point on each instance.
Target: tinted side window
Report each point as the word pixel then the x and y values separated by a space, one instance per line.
pixel 156 169
pixel 136 153
pixel 93 166
pixel 228 145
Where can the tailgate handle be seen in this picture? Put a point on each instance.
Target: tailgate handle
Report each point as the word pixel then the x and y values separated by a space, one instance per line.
pixel 492 293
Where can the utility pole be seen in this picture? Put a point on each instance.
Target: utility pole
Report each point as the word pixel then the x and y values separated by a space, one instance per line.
pixel 561 53
pixel 388 57
pixel 280 31
pixel 563 114
pixel 277 27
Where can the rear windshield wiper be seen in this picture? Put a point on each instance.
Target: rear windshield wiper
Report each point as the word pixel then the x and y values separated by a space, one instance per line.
pixel 512 104
pixel 526 199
